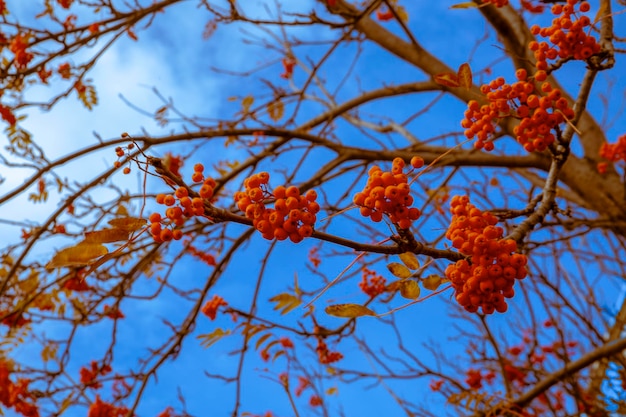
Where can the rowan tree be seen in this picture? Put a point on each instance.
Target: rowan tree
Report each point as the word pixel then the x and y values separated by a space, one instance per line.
pixel 393 207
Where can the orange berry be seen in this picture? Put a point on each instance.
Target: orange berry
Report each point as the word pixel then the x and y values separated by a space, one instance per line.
pixel 185 202
pixel 305 230
pixel 280 233
pixel 155 228
pixel 311 195
pixel 166 235
pixel 417 162
pixel 280 192
pixel 126 171
pixel 255 194
pixel 169 200
pixel 198 202
pixel 399 162
pixel 205 191
pixel 313 207
pixel 197 176
pixel 263 177
pixel 198 168
pixel 155 218
pixel 295 237
pixel 292 191
pixel 181 192
pixel 177 234
pixel 253 182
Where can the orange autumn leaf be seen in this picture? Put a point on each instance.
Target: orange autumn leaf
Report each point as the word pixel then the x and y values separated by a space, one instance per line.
pixel 464 76
pixel 348 310
pixel 106 236
pixel 448 79
pixel 79 255
pixel 129 224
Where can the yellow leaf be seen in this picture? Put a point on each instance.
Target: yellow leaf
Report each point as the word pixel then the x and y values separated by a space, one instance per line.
pixel 79 255
pixel 464 76
pixel 49 351
pixel 331 391
pixel 432 282
pixel 399 270
pixel 276 109
pixel 409 289
pixel 348 310
pixel 410 260
pixel 66 403
pixel 601 11
pixel 277 354
pixel 466 5
pixel 106 236
pixel 250 330
pixel 285 302
pixel 121 211
pixel 246 103
pixel 402 14
pixel 261 340
pixel 393 286
pixel 449 79
pixel 206 340
pixel 129 224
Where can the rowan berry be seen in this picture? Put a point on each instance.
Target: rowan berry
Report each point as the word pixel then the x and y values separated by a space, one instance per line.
pixel 166 235
pixel 489 278
pixel 126 171
pixel 387 193
pixel 417 162
pixel 206 191
pixel 169 200
pixel 197 176
pixel 293 215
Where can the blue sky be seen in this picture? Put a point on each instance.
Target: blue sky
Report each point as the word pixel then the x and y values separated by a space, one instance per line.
pixel 172 56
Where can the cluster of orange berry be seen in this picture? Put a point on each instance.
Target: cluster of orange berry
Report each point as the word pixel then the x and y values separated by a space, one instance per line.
pixel 293 215
pixel 388 193
pixel 613 152
pixel 120 152
pixel 324 355
pixel 540 111
pixel 372 283
pixel 187 207
pixel 489 278
pixel 566 34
